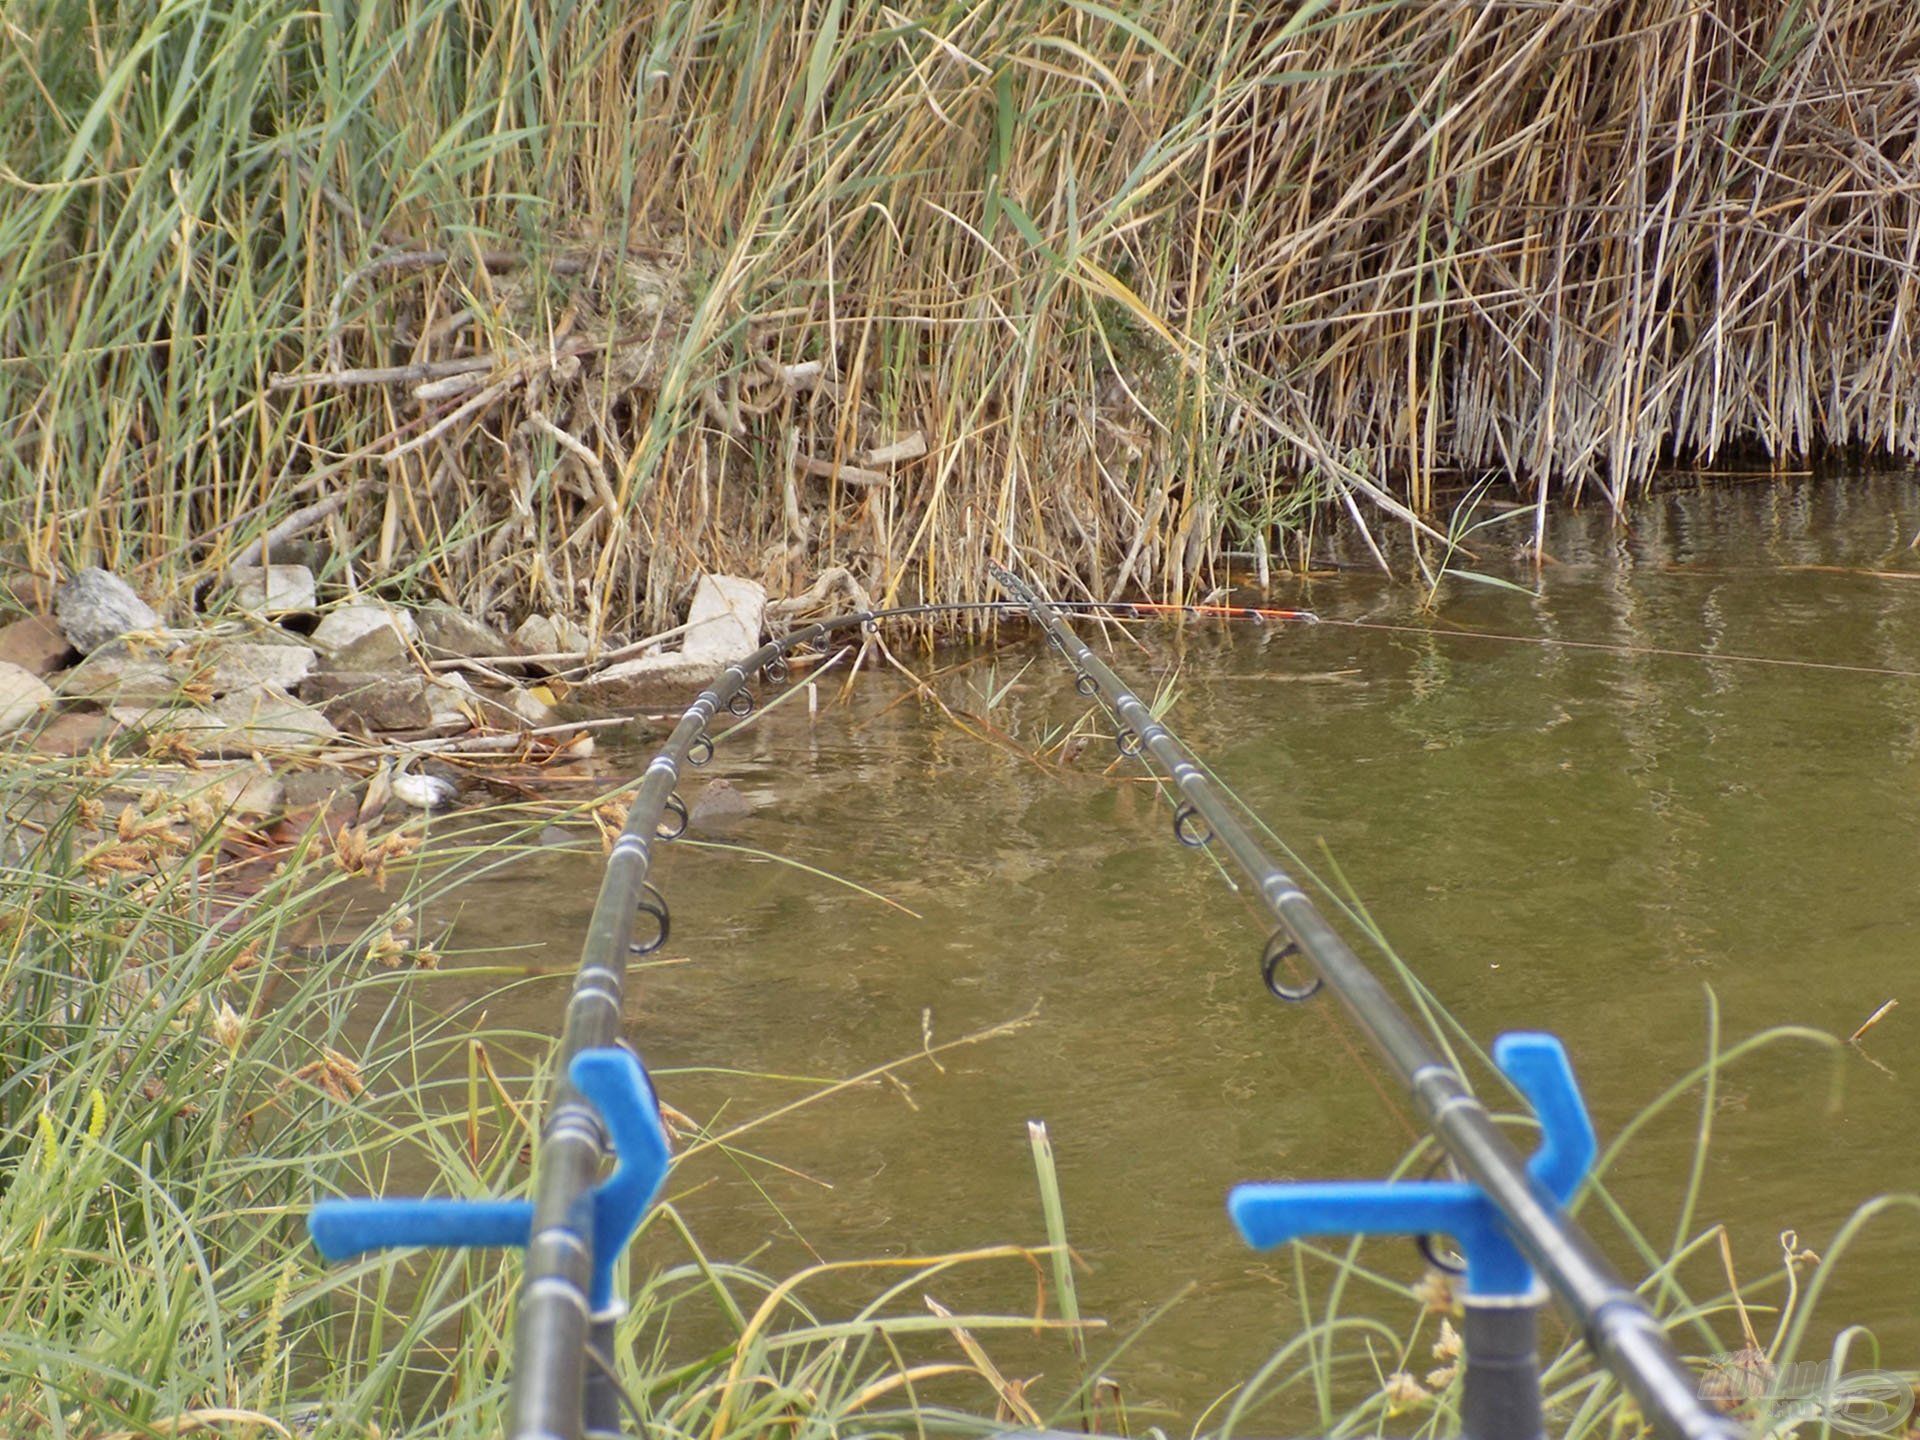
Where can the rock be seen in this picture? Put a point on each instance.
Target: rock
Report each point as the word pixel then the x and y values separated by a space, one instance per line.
pixel 36 644
pixel 315 785
pixel 273 589
pixel 144 718
pixel 648 680
pixel 381 648
pixel 549 635
pixel 345 624
pixel 423 790
pixel 380 702
pixel 95 607
pixel 115 675
pixel 23 695
pixel 72 734
pixel 510 708
pixel 270 719
pixel 719 806
pixel 453 702
pixel 118 673
pixel 249 789
pixel 530 709
pixel 514 709
pixel 243 789
pixel 449 632
pixel 724 621
pixel 227 665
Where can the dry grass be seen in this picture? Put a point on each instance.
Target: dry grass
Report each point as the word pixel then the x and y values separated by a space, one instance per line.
pixel 1110 289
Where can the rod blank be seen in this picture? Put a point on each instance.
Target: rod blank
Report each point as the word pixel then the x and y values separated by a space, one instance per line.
pixel 1617 1325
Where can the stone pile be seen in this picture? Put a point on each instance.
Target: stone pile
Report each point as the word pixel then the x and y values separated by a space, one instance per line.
pixel 278 675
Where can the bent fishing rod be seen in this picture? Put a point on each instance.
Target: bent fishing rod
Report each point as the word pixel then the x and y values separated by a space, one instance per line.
pixel 1617 1325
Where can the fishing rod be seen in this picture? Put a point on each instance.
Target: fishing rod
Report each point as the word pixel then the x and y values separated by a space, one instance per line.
pixel 576 1227
pixel 1516 1207
pixel 562 1384
pixel 554 1393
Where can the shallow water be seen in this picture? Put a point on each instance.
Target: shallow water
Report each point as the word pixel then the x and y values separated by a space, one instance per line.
pixel 1591 841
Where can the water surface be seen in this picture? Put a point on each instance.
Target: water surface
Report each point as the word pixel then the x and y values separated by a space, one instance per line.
pixel 1590 841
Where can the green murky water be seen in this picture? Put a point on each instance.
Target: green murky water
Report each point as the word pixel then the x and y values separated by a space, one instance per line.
pixel 1584 840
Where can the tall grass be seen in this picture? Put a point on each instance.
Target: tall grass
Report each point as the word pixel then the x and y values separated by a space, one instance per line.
pixel 688 286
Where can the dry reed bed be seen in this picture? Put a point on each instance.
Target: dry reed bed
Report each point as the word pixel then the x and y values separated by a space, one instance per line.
pixel 551 306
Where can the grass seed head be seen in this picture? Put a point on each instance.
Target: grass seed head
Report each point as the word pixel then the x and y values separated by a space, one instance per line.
pixel 1404 1393
pixel 229 1028
pixel 1434 1290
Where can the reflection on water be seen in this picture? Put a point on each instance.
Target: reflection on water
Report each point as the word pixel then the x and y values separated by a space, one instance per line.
pixel 1584 840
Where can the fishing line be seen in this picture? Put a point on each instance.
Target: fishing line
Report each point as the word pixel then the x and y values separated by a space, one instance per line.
pixel 555 1389
pixel 1612 648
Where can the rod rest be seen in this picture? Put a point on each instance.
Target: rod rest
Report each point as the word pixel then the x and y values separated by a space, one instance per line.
pixel 613 1081
pixel 1267 1215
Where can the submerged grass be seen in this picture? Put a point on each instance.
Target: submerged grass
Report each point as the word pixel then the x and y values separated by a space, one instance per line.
pixel 550 306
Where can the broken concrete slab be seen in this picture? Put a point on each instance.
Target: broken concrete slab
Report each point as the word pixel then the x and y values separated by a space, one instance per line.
pixel 273 589
pixel 23 695
pixel 724 622
pixel 96 606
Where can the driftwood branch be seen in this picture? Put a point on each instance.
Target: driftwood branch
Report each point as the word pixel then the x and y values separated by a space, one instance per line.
pixel 837 580
pixel 845 474
pixel 388 374
pixel 580 661
pixel 302 519
pixel 907 447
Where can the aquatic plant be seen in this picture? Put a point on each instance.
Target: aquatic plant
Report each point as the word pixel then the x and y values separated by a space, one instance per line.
pixel 551 306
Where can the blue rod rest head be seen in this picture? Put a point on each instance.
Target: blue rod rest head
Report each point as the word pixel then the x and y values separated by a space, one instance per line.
pixel 614 1083
pixel 1273 1214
